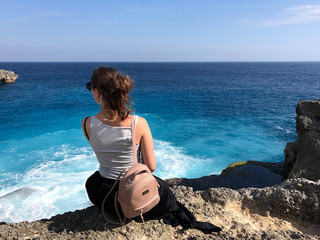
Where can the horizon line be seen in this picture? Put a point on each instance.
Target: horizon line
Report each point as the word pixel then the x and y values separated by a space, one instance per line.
pixel 259 61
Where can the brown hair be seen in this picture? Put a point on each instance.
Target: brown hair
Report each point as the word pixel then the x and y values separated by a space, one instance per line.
pixel 115 89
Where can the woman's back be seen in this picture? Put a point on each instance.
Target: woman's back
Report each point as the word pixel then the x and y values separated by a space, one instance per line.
pixel 112 146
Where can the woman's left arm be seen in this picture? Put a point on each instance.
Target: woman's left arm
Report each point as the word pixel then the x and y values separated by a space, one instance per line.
pixel 146 145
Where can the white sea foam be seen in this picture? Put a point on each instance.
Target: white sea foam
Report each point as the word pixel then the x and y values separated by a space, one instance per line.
pixel 58 183
pixel 174 162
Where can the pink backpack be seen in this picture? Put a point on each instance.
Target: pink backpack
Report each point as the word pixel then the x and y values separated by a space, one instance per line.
pixel 138 189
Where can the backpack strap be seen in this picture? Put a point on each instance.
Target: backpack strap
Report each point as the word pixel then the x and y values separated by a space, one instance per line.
pixel 122 222
pixel 84 127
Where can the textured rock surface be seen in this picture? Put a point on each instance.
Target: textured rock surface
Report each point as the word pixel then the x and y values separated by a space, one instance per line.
pixel 307 163
pixel 7 76
pixel 289 210
pixel 290 156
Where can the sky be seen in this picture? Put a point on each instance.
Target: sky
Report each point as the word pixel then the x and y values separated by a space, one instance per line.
pixel 159 30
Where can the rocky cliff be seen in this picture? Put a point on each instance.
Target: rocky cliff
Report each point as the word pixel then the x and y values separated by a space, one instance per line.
pixel 303 156
pixel 7 76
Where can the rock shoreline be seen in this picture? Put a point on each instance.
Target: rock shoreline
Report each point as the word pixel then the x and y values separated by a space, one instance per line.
pixel 248 200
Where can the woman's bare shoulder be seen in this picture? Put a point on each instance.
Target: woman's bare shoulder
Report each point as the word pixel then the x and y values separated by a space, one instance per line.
pixel 84 119
pixel 142 122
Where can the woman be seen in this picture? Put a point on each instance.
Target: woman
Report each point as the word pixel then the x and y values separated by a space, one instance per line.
pixel 109 135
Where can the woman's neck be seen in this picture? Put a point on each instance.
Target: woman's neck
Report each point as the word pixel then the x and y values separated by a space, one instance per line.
pixel 105 117
pixel 105 114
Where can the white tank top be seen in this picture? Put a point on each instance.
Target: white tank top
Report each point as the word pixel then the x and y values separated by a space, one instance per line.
pixel 112 146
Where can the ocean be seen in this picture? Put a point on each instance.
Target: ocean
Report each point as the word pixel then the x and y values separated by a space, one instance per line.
pixel 203 116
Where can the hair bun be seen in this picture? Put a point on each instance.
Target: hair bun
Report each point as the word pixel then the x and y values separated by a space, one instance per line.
pixel 115 89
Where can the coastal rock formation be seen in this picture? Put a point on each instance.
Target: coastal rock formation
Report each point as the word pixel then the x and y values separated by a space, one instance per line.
pixel 7 76
pixel 290 156
pixel 238 175
pixel 305 156
pixel 289 210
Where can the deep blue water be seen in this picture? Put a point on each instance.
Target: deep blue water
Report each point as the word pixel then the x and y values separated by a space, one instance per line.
pixel 203 116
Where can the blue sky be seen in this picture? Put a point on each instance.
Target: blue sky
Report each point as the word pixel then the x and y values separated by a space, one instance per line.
pixel 97 30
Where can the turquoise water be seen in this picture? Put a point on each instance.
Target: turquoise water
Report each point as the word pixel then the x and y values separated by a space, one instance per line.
pixel 203 117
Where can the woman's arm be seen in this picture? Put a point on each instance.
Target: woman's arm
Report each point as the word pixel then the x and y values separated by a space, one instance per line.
pixel 146 144
pixel 87 127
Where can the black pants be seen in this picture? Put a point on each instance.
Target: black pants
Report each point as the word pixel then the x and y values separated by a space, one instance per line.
pixel 98 187
pixel 168 208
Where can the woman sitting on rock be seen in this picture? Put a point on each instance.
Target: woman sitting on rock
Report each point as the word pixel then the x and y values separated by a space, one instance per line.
pixel 109 134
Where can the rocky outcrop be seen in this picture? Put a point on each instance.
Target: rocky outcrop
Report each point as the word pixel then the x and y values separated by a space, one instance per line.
pixel 289 210
pixel 290 156
pixel 238 175
pixel 304 155
pixel 7 76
